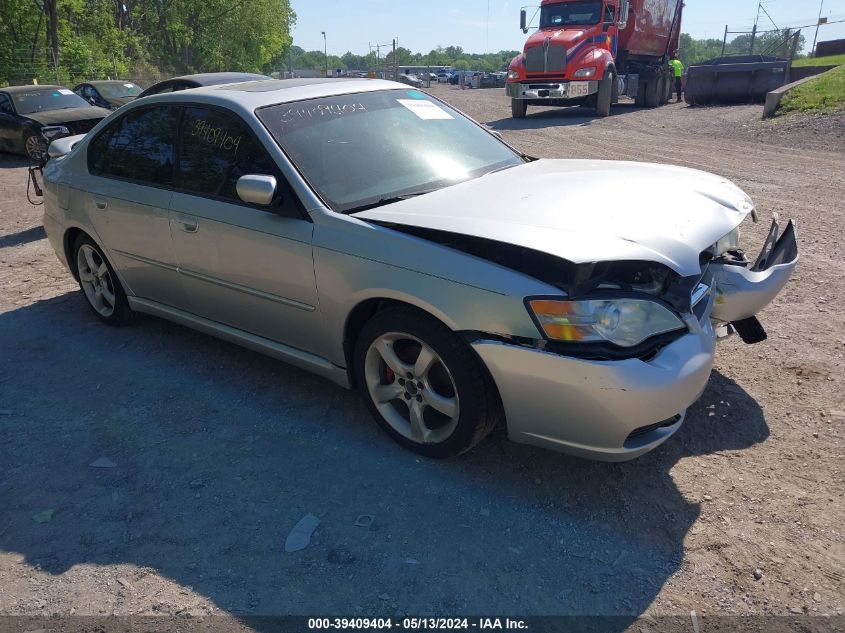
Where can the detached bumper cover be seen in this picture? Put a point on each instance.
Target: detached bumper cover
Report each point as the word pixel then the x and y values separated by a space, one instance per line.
pixel 540 90
pixel 742 292
pixel 591 408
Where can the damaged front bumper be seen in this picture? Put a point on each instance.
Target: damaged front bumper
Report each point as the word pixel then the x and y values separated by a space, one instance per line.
pixel 619 410
pixel 603 410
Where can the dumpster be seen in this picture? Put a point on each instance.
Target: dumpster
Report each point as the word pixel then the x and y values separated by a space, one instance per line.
pixel 735 79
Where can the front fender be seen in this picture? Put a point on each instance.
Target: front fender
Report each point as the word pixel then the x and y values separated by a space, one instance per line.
pixel 600 58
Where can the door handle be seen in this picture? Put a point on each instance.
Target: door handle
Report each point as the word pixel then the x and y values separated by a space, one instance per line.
pixel 100 204
pixel 189 225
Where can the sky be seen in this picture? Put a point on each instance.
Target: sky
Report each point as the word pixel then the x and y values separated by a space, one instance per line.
pixel 421 25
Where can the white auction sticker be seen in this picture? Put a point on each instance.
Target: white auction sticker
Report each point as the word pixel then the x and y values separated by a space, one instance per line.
pixel 65 91
pixel 425 109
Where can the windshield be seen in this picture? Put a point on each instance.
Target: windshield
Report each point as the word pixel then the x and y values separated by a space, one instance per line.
pixel 570 14
pixel 118 90
pixel 44 99
pixel 364 149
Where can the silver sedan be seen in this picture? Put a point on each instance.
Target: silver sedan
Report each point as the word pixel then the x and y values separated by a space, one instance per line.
pixel 370 233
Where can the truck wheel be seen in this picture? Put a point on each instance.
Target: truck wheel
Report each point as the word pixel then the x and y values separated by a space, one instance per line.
pixel 605 95
pixel 652 93
pixel 519 108
pixel 662 89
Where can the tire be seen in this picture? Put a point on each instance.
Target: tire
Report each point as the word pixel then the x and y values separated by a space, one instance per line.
pixel 662 90
pixel 440 408
pixel 604 98
pixel 652 93
pixel 519 108
pixel 99 284
pixel 33 145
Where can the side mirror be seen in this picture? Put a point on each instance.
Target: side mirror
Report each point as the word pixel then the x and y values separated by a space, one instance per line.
pixel 624 8
pixel 256 189
pixel 523 20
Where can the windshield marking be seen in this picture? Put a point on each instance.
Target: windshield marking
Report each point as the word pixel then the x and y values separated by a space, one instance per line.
pixel 321 110
pixel 426 110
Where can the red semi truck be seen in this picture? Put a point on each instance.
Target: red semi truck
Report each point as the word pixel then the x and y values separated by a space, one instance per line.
pixel 589 52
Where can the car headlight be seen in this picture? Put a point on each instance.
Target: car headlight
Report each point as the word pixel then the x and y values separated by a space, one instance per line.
pixel 623 322
pixel 589 71
pixel 728 243
pixel 513 74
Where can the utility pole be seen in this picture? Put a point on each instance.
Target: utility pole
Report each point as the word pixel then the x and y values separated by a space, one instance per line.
pixel 326 52
pixel 724 41
pixel 395 63
pixel 753 37
pixel 818 24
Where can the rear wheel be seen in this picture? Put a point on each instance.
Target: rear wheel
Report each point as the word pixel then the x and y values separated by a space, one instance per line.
pixel 519 108
pixel 663 89
pixel 652 93
pixel 604 98
pixel 424 385
pixel 99 284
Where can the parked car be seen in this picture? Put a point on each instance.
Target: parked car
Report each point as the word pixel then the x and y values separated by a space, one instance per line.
pixel 411 80
pixel 459 286
pixel 110 94
pixel 443 77
pixel 196 81
pixel 455 78
pixel 24 110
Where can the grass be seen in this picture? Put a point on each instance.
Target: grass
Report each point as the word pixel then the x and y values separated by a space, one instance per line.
pixel 823 93
pixel 820 61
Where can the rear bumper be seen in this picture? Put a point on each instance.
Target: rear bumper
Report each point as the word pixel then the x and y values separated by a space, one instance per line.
pixel 599 409
pixel 544 90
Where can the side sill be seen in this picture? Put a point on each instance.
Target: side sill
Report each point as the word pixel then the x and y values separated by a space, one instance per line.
pixel 285 353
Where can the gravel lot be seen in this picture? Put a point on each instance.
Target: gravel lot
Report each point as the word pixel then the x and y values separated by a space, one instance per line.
pixel 217 452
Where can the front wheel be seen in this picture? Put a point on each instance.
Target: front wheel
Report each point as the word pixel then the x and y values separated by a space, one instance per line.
pixel 604 98
pixel 519 108
pixel 33 146
pixel 424 385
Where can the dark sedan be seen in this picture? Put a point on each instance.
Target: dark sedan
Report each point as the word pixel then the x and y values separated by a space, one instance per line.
pixel 24 110
pixel 196 81
pixel 109 94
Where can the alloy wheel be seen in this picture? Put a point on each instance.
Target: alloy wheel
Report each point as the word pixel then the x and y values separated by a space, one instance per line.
pixel 95 279
pixel 412 388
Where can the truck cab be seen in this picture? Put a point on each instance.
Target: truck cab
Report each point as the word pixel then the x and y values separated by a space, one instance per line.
pixel 588 52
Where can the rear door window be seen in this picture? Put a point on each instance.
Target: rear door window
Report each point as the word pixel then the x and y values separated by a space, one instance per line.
pixel 139 146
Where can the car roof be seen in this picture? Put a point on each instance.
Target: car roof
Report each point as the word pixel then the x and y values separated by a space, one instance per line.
pixel 256 94
pixel 103 82
pixel 213 79
pixel 30 88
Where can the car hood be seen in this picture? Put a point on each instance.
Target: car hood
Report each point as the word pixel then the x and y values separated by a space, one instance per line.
pixel 566 37
pixel 57 117
pixel 586 211
pixel 116 102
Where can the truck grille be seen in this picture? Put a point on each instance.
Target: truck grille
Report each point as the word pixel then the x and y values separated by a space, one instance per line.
pixel 536 60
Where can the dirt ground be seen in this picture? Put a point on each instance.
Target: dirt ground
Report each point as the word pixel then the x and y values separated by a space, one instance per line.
pixel 217 452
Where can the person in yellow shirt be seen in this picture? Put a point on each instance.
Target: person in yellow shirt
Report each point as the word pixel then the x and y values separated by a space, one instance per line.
pixel 678 70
